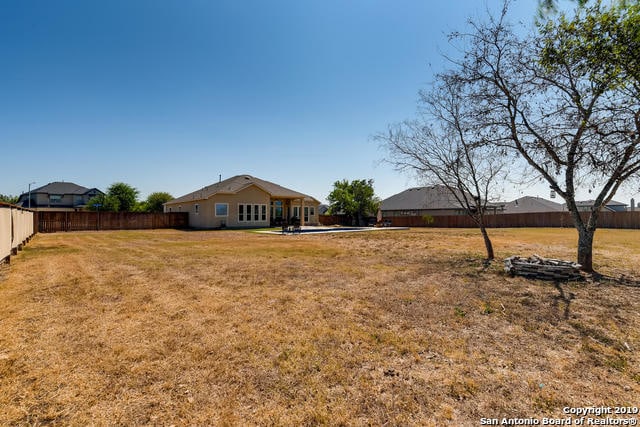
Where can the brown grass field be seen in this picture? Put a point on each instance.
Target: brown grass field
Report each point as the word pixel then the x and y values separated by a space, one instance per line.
pixel 180 328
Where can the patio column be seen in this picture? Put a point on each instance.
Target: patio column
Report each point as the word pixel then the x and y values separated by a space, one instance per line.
pixel 302 212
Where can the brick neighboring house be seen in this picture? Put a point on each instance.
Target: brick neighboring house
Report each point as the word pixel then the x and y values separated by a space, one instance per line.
pixel 245 201
pixel 59 196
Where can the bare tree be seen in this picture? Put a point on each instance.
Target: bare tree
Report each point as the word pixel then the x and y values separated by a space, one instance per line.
pixel 442 146
pixel 565 98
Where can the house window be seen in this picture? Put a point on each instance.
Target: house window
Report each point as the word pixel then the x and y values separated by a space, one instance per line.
pixel 306 213
pixel 312 211
pixel 251 213
pixel 222 209
pixel 296 211
pixel 55 198
pixel 196 208
pixel 169 209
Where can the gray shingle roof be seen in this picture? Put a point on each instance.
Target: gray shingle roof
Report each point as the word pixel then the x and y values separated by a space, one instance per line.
pixel 237 183
pixel 431 197
pixel 528 204
pixel 590 202
pixel 61 188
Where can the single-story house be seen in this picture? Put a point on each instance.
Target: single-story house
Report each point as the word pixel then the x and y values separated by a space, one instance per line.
pixel 529 204
pixel 245 201
pixel 433 200
pixel 58 196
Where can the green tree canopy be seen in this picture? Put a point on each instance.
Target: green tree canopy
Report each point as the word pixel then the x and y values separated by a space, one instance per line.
pixel 125 194
pixel 120 197
pixel 8 199
pixel 356 199
pixel 155 201
pixel 103 202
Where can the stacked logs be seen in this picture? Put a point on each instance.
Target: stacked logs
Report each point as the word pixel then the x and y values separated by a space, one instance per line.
pixel 536 267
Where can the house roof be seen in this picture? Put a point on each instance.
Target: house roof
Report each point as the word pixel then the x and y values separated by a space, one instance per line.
pixel 431 197
pixel 528 204
pixel 61 188
pixel 590 203
pixel 238 183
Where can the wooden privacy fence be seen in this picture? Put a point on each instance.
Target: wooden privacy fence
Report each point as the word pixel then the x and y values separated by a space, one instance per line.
pixel 542 219
pixel 51 222
pixel 16 228
pixel 330 219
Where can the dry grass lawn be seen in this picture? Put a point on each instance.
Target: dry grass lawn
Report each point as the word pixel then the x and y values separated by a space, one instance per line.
pixel 170 327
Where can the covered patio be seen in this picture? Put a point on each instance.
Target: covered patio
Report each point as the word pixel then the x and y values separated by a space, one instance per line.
pixel 290 211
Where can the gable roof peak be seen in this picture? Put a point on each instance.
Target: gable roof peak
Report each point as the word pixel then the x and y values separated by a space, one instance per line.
pixel 237 183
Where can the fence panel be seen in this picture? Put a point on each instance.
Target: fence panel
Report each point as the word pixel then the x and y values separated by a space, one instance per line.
pixel 329 219
pixel 16 234
pixel 5 232
pixel 51 222
pixel 629 220
pixel 16 227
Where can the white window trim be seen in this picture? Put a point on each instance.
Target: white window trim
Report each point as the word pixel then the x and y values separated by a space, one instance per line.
pixel 251 218
pixel 311 211
pixel 215 208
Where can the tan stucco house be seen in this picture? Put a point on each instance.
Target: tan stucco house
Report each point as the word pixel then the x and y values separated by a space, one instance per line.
pixel 245 201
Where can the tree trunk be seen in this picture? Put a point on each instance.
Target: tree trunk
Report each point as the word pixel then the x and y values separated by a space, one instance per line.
pixel 585 249
pixel 487 243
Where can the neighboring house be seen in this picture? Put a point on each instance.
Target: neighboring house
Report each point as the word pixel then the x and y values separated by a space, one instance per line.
pixel 433 200
pixel 612 206
pixel 58 196
pixel 245 201
pixel 528 204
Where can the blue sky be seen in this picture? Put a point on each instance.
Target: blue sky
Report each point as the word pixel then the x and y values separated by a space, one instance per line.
pixel 166 95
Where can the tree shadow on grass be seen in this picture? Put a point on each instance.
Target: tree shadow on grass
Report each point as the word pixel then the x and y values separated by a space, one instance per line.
pixel 622 280
pixel 564 297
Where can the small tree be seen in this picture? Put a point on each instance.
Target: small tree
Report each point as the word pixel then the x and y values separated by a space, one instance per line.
pixel 120 197
pixel 103 202
pixel 355 199
pixel 566 99
pixel 155 201
pixel 444 147
pixel 126 195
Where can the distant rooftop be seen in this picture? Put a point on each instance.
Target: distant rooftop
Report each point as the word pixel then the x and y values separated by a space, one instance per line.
pixel 529 204
pixel 237 183
pixel 590 203
pixel 421 198
pixel 61 187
